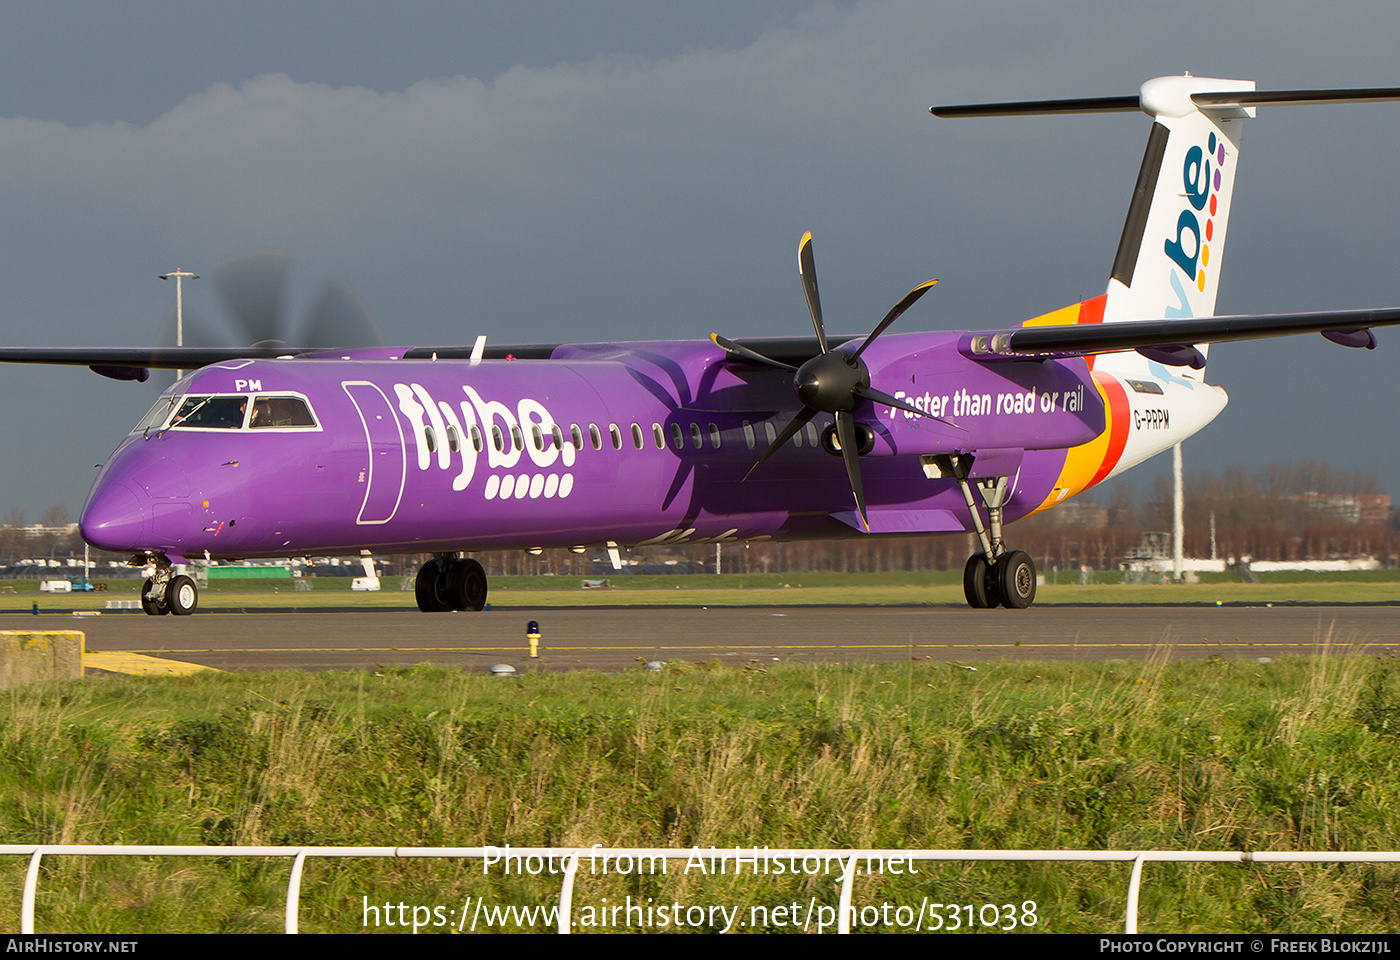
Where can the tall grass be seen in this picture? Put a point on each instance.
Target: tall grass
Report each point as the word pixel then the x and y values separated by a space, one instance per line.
pixel 1298 754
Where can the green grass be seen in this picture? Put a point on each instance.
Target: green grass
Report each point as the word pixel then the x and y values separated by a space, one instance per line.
pixel 1298 754
pixel 758 589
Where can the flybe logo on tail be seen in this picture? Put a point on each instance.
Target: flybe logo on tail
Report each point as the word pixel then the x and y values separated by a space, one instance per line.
pixel 1191 248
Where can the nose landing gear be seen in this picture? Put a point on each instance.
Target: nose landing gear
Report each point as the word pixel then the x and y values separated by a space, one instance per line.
pixel 166 591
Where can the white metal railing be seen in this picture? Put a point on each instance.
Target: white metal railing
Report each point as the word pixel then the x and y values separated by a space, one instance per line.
pixel 849 859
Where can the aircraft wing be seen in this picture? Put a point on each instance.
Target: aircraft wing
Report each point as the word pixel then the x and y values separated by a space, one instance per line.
pixel 1171 340
pixel 162 358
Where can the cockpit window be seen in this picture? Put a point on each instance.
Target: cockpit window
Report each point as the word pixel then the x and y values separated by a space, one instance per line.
pixel 217 413
pixel 155 416
pixel 280 412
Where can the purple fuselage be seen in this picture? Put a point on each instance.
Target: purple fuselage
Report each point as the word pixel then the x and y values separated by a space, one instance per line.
pixel 628 442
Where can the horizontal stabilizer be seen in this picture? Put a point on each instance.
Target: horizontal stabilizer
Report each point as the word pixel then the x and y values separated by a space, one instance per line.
pixel 1211 100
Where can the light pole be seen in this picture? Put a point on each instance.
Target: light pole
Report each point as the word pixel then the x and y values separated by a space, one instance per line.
pixel 179 276
pixel 1178 526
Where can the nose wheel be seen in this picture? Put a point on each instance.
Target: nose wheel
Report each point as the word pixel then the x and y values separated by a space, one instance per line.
pixel 449 582
pixel 168 592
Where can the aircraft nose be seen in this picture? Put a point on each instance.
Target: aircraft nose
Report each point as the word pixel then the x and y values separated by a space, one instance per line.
pixel 113 519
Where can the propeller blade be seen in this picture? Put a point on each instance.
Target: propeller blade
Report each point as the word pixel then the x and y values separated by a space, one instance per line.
pixel 252 286
pixel 197 330
pixel 798 422
pixel 340 318
pixel 752 355
pixel 879 396
pixel 846 433
pixel 908 301
pixel 808 268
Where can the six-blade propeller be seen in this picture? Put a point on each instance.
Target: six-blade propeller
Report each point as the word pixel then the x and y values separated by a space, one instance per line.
pixel 835 381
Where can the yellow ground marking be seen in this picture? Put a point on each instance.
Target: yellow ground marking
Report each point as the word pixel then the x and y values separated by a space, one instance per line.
pixel 138 664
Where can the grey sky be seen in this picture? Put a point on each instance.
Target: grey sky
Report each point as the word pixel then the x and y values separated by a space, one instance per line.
pixel 546 171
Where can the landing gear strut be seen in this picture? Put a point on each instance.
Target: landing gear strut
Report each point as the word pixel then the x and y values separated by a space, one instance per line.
pixel 995 577
pixel 450 582
pixel 166 591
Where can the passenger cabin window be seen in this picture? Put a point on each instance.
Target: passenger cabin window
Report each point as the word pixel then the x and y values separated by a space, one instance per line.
pixel 273 412
pixel 616 435
pixel 714 436
pixel 211 413
pixel 594 437
pixel 637 436
pixel 658 437
pixel 677 438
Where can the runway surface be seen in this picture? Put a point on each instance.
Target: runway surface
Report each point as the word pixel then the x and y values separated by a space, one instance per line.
pixel 613 639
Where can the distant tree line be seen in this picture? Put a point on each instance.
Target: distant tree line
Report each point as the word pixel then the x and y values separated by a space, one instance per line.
pixel 1300 511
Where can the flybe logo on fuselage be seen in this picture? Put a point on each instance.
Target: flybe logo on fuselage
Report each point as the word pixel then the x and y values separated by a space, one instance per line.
pixel 507 436
pixel 1190 249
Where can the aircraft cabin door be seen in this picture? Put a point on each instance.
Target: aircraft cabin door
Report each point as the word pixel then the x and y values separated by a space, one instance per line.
pixel 385 468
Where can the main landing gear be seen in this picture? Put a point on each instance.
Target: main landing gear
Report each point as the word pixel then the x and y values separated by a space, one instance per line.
pixel 1009 581
pixel 166 591
pixel 995 577
pixel 450 582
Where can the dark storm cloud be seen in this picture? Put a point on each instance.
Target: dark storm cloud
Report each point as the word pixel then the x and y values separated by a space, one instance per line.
pixel 658 186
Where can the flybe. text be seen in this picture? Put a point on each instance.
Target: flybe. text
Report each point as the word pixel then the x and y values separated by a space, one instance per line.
pixel 446 433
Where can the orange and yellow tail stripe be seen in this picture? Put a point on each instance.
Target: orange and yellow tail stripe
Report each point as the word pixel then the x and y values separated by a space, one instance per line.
pixel 1089 463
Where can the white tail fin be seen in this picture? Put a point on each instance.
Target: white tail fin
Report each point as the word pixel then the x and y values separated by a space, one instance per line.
pixel 1168 262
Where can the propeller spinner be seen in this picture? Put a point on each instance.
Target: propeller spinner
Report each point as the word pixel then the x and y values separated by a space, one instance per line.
pixel 835 381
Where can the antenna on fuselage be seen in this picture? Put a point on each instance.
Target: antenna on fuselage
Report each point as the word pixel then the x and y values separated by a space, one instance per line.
pixel 478 349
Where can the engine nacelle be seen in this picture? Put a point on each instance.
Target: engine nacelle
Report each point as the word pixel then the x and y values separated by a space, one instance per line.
pixel 865 440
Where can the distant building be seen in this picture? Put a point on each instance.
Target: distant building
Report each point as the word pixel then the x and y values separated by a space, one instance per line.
pixel 1081 514
pixel 1363 509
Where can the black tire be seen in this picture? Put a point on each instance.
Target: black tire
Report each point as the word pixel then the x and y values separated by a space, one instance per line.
pixel 181 596
pixel 467 585
pixel 425 588
pixel 1015 576
pixel 994 596
pixel 975 582
pixel 153 608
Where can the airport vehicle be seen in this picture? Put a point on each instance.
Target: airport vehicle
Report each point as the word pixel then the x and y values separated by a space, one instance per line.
pixel 275 451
